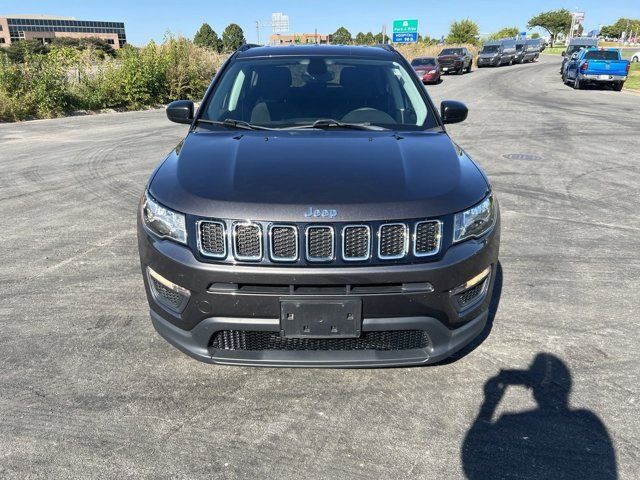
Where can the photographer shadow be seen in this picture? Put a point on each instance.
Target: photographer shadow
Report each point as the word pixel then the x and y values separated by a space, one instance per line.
pixel 551 441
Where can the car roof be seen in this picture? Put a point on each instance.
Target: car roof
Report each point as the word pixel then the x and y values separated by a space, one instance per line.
pixel 377 52
pixel 424 58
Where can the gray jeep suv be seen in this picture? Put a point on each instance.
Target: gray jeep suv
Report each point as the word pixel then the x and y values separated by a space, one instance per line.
pixel 317 213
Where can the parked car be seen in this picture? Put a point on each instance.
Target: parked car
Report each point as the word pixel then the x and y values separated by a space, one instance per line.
pixel 520 49
pixel 455 60
pixel 575 45
pixel 635 58
pixel 532 49
pixel 542 43
pixel 599 66
pixel 527 50
pixel 495 53
pixel 427 68
pixel 317 213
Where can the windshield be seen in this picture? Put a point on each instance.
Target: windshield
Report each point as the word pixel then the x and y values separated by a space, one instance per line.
pixel 423 62
pixel 294 91
pixel 451 51
pixel 490 49
pixel 575 48
pixel 601 55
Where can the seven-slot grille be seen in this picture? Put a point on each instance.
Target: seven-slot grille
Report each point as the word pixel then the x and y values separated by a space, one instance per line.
pixel 427 238
pixel 320 244
pixel 245 241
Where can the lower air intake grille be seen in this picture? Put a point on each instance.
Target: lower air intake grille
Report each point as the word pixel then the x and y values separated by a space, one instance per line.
pixel 393 241
pixel 381 341
pixel 427 241
pixel 247 241
pixel 319 243
pixel 211 237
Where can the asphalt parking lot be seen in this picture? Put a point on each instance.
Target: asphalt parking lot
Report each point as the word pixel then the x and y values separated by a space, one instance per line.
pixel 88 389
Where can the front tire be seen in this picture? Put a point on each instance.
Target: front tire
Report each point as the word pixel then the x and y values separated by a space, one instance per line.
pixel 617 86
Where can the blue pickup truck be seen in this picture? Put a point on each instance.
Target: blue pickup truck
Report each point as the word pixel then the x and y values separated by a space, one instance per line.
pixel 600 66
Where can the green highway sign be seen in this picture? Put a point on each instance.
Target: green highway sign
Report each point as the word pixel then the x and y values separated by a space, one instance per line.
pixel 405 26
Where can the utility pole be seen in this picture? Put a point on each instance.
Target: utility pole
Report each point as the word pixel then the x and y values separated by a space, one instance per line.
pixel 258 31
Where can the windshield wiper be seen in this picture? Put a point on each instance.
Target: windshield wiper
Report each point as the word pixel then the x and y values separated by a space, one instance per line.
pixel 230 123
pixel 331 123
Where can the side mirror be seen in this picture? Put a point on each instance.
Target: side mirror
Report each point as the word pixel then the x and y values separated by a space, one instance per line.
pixel 180 111
pixel 564 53
pixel 453 112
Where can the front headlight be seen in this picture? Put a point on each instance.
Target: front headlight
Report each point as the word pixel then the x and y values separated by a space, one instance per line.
pixel 162 221
pixel 475 222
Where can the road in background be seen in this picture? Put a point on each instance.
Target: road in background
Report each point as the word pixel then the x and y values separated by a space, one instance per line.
pixel 88 389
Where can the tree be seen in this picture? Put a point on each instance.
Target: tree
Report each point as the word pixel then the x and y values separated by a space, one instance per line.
pixel 232 37
pixel 360 38
pixel 627 25
pixel 342 36
pixel 554 22
pixel 208 38
pixel 95 43
pixel 19 50
pixel 463 31
pixel 369 39
pixel 507 32
pixel 535 35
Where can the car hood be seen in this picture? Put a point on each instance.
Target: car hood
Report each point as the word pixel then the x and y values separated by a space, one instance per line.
pixel 449 57
pixel 280 175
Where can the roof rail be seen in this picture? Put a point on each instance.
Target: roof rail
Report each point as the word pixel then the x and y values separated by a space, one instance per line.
pixel 386 46
pixel 247 46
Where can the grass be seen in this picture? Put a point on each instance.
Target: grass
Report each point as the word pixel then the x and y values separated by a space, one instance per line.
pixel 554 50
pixel 633 80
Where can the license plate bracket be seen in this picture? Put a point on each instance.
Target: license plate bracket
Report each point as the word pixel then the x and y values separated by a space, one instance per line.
pixel 321 318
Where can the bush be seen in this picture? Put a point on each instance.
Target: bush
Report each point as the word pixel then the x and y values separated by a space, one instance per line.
pixel 68 78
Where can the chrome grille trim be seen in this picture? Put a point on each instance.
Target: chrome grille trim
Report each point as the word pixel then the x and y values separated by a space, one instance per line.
pixel 405 249
pixel 344 239
pixel 235 238
pixel 199 224
pixel 415 239
pixel 307 247
pixel 272 254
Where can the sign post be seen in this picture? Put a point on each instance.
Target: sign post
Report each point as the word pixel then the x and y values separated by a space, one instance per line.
pixel 405 31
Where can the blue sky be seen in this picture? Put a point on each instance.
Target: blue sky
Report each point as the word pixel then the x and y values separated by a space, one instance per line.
pixel 147 19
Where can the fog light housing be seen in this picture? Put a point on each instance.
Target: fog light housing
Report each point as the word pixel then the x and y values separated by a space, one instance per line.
pixel 472 291
pixel 168 294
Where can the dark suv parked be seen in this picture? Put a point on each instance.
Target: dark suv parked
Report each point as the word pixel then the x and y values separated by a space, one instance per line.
pixel 318 214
